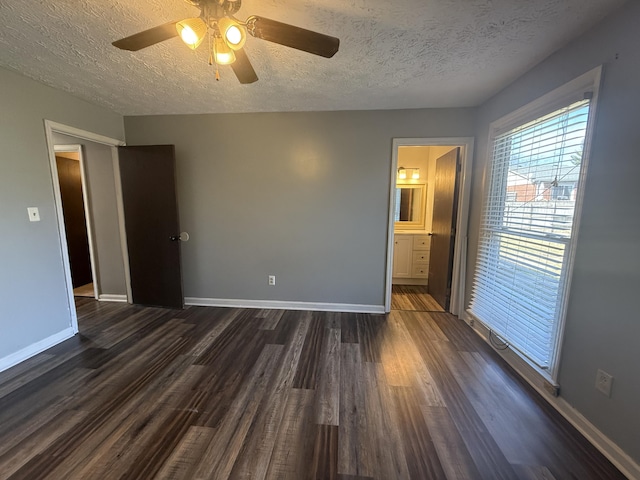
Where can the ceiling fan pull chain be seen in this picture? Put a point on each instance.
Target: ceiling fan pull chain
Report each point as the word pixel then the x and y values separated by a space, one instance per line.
pixel 210 50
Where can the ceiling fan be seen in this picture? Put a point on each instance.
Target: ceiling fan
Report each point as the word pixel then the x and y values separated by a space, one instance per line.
pixel 227 35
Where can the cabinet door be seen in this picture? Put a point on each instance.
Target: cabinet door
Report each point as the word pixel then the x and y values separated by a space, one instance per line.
pixel 402 256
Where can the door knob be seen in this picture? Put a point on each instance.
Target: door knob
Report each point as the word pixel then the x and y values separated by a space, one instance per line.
pixel 184 237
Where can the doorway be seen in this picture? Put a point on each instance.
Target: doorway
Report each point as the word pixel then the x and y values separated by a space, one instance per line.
pixel 51 130
pixel 77 219
pixel 427 175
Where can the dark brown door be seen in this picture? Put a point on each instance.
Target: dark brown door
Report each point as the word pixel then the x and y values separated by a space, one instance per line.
pixel 147 175
pixel 445 206
pixel 75 223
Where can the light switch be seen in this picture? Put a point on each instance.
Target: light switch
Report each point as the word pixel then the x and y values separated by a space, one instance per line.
pixel 34 214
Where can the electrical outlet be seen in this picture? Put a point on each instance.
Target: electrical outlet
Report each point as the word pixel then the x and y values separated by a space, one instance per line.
pixel 272 279
pixel 603 382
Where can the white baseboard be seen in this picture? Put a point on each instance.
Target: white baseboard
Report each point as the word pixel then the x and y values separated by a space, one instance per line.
pixel 35 348
pixel 282 305
pixel 627 465
pixel 607 447
pixel 111 297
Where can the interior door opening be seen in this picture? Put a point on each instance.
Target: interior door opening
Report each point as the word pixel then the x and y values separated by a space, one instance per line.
pixel 77 220
pixel 62 138
pixel 428 213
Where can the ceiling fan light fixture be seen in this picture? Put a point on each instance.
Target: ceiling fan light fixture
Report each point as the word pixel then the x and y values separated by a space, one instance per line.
pixel 192 31
pixel 233 33
pixel 222 53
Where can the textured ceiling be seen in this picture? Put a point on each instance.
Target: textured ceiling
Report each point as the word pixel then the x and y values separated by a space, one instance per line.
pixel 393 54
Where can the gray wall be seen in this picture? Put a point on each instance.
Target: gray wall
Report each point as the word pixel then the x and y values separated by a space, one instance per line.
pixel 303 196
pixel 101 189
pixel 602 329
pixel 32 284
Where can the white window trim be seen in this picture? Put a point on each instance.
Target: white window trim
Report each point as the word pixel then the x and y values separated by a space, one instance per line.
pixel 561 96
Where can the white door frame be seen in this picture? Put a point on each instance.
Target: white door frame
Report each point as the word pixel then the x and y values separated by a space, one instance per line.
pixel 460 247
pixel 51 127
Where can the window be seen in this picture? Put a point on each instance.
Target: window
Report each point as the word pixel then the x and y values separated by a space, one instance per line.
pixel 528 224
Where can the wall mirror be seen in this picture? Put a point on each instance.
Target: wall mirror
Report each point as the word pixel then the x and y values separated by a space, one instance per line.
pixel 410 206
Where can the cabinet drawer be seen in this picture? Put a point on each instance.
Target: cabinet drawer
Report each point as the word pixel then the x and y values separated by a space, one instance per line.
pixel 420 271
pixel 421 257
pixel 421 242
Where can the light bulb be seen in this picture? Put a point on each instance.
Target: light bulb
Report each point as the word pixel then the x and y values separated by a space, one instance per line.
pixel 192 31
pixel 224 55
pixel 416 174
pixel 188 36
pixel 233 33
pixel 402 174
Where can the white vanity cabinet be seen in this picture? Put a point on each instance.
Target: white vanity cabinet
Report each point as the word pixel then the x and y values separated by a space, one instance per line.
pixel 402 256
pixel 411 258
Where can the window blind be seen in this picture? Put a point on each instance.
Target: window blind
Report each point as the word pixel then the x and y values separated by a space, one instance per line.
pixel 526 230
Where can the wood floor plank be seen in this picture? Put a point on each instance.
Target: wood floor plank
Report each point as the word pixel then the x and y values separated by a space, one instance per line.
pixel 161 418
pixel 210 392
pixel 232 323
pixel 413 298
pixel 33 423
pixel 454 456
pixel 328 391
pixel 89 444
pixel 420 452
pixel 256 452
pixel 24 372
pixel 419 376
pixel 535 472
pixel 399 360
pixel 270 319
pixel 287 325
pixel 355 456
pixel 33 445
pixel 487 456
pixel 370 335
pixel 309 365
pixel 324 464
pixel 505 427
pixel 186 454
pixel 220 456
pixel 208 323
pixel 294 446
pixel 349 328
pixel 385 438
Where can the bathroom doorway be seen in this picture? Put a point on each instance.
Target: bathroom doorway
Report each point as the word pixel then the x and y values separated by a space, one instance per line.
pixel 429 203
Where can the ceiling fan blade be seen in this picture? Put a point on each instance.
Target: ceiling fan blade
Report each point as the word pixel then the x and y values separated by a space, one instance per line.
pixel 147 38
pixel 243 69
pixel 294 37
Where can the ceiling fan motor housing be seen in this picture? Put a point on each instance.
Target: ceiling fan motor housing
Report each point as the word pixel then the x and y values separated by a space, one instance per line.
pixel 211 10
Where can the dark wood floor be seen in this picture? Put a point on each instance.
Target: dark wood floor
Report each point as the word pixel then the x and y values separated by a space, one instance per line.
pixel 229 393
pixel 413 297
